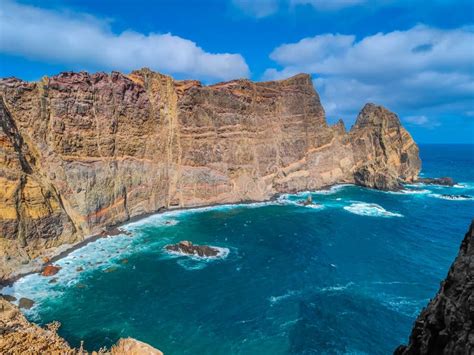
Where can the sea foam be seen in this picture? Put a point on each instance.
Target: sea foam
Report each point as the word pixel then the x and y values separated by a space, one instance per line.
pixel 370 210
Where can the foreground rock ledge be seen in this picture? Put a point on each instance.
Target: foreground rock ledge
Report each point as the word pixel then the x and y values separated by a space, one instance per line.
pixel 19 336
pixel 446 325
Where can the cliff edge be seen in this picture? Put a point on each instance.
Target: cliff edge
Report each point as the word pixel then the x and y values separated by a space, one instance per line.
pixel 446 325
pixel 80 152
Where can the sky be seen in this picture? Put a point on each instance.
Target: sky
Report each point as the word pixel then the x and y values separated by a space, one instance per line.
pixel 414 57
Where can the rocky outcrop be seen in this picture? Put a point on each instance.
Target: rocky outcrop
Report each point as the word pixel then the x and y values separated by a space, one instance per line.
pixel 81 152
pixel 131 346
pixel 446 325
pixel 19 336
pixel 188 248
pixel 445 181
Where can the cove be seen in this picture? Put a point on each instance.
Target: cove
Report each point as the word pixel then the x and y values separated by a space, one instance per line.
pixel 348 274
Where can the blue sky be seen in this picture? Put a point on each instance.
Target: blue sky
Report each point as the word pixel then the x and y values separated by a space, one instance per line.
pixel 415 57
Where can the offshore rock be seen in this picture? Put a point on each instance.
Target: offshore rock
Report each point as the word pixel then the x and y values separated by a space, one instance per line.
pixel 50 270
pixel 25 303
pixel 445 181
pixel 81 152
pixel 446 325
pixel 188 248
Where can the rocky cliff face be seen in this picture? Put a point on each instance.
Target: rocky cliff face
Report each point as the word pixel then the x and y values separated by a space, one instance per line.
pixel 81 151
pixel 446 325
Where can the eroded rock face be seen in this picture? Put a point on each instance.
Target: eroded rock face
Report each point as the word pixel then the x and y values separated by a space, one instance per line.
pixel 446 325
pixel 80 152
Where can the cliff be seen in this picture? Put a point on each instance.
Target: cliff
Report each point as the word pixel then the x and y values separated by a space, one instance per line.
pixel 446 325
pixel 80 152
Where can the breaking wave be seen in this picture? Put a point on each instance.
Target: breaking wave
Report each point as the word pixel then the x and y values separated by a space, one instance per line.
pixel 370 210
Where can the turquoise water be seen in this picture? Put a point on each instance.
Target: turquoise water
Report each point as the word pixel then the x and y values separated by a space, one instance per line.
pixel 348 276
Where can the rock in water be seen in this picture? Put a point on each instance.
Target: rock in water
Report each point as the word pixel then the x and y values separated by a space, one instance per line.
pixel 25 303
pixel 85 167
pixel 50 270
pixel 446 325
pixel 445 181
pixel 188 248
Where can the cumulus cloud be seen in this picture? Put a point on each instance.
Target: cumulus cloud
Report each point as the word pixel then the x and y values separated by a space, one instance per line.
pixel 85 41
pixel 419 70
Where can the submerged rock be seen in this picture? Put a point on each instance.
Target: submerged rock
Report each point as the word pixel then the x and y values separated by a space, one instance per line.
pixel 186 247
pixel 25 303
pixel 446 325
pixel 50 270
pixel 445 181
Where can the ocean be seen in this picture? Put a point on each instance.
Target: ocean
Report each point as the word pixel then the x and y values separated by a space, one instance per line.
pixel 347 275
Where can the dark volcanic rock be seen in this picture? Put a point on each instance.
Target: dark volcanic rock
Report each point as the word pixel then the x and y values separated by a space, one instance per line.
pixel 445 181
pixel 8 298
pixel 446 325
pixel 25 303
pixel 186 247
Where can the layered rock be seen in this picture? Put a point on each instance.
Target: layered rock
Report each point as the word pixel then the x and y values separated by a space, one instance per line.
pixel 446 325
pixel 81 151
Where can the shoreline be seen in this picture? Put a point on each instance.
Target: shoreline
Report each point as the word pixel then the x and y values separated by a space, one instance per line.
pixel 106 232
pixel 112 228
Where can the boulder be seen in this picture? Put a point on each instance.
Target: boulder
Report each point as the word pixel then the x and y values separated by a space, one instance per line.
pixel 25 303
pixel 50 270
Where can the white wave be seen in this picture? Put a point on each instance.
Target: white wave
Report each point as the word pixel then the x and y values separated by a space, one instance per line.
pixel 315 206
pixel 332 190
pixel 370 210
pixel 100 254
pixel 336 287
pixel 277 299
pixel 463 185
pixel 410 192
pixel 452 197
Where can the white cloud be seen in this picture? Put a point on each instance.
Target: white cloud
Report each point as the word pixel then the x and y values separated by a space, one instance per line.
pixel 421 121
pixel 418 70
pixel 264 8
pixel 328 5
pixel 84 41
pixel 257 8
